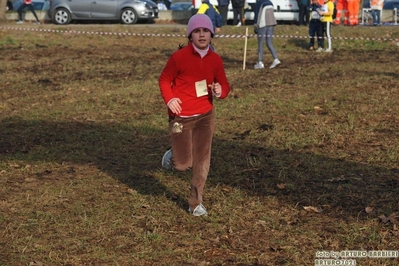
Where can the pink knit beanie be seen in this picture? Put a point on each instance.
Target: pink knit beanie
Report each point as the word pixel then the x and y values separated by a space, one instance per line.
pixel 199 21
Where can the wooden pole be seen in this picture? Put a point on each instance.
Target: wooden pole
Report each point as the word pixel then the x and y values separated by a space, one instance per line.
pixel 245 48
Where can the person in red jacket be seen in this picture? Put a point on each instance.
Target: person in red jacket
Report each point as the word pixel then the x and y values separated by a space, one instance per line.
pixel 27 3
pixel 191 79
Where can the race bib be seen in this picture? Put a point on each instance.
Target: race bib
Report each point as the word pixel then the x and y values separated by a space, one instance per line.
pixel 201 88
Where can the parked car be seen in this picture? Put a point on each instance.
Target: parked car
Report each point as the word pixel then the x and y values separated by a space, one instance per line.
pixel 388 4
pixel 37 5
pixel 9 6
pixel 181 6
pixel 62 12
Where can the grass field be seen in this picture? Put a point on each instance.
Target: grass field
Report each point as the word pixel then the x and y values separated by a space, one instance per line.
pixel 304 158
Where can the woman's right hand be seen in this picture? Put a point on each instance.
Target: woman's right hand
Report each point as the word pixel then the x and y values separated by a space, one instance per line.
pixel 174 105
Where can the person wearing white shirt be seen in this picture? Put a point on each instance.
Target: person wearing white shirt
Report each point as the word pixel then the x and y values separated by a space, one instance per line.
pixel 376 9
pixel 161 6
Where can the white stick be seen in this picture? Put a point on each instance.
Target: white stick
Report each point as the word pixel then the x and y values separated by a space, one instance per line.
pixel 245 48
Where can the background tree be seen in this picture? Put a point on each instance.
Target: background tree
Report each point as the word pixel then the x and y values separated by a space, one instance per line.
pixel 3 4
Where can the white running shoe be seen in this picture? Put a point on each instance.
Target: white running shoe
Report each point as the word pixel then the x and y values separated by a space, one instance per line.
pixel 239 24
pixel 20 22
pixel 275 63
pixel 199 210
pixel 328 50
pixel 319 49
pixel 259 65
pixel 167 160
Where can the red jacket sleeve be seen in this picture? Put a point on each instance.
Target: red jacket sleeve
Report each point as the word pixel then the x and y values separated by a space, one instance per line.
pixel 166 79
pixel 222 79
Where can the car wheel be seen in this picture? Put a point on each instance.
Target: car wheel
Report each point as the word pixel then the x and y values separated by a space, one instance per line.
pixel 62 16
pixel 129 16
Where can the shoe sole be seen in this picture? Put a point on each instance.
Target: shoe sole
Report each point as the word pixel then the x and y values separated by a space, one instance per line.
pixel 271 67
pixel 205 213
pixel 165 165
pixel 197 215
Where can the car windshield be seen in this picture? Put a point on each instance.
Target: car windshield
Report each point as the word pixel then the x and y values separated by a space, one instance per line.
pixel 181 6
pixel 186 6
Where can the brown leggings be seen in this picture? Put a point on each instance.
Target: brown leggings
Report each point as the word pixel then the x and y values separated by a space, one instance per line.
pixel 191 140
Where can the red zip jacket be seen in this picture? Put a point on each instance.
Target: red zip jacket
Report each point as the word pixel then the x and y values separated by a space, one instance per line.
pixel 183 69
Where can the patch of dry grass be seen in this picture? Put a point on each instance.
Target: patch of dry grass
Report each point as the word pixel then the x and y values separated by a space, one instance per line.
pixel 83 129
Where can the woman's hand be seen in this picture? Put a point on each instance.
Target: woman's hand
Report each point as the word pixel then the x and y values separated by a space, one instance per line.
pixel 216 88
pixel 174 105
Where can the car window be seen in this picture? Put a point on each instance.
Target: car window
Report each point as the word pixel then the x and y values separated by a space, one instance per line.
pixel 46 5
pixel 186 6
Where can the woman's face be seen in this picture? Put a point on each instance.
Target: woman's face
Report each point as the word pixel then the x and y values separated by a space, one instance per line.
pixel 201 38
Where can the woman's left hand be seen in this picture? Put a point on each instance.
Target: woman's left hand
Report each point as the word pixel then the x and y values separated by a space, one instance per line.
pixel 216 88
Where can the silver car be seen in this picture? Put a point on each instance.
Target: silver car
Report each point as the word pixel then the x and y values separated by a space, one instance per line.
pixel 62 12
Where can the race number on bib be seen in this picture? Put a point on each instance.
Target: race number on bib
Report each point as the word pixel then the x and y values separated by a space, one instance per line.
pixel 201 88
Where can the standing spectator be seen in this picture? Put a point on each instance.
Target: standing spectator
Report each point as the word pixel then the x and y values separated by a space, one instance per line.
pixel 191 78
pixel 326 12
pixel 212 12
pixel 376 8
pixel 161 5
pixel 353 11
pixel 303 12
pixel 357 7
pixel 27 3
pixel 168 3
pixel 223 7
pixel 315 26
pixel 264 28
pixel 342 7
pixel 238 11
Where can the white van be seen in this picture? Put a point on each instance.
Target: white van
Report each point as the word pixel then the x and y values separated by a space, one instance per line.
pixel 284 10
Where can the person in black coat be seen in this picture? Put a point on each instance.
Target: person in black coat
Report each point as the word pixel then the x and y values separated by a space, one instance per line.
pixel 223 6
pixel 238 10
pixel 304 14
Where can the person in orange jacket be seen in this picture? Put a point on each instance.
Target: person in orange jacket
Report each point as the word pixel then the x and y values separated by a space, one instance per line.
pixel 342 7
pixel 353 10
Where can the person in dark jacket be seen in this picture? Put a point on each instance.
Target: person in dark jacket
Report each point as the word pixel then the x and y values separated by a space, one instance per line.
pixel 27 3
pixel 238 10
pixel 303 12
pixel 213 13
pixel 223 6
pixel 315 26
